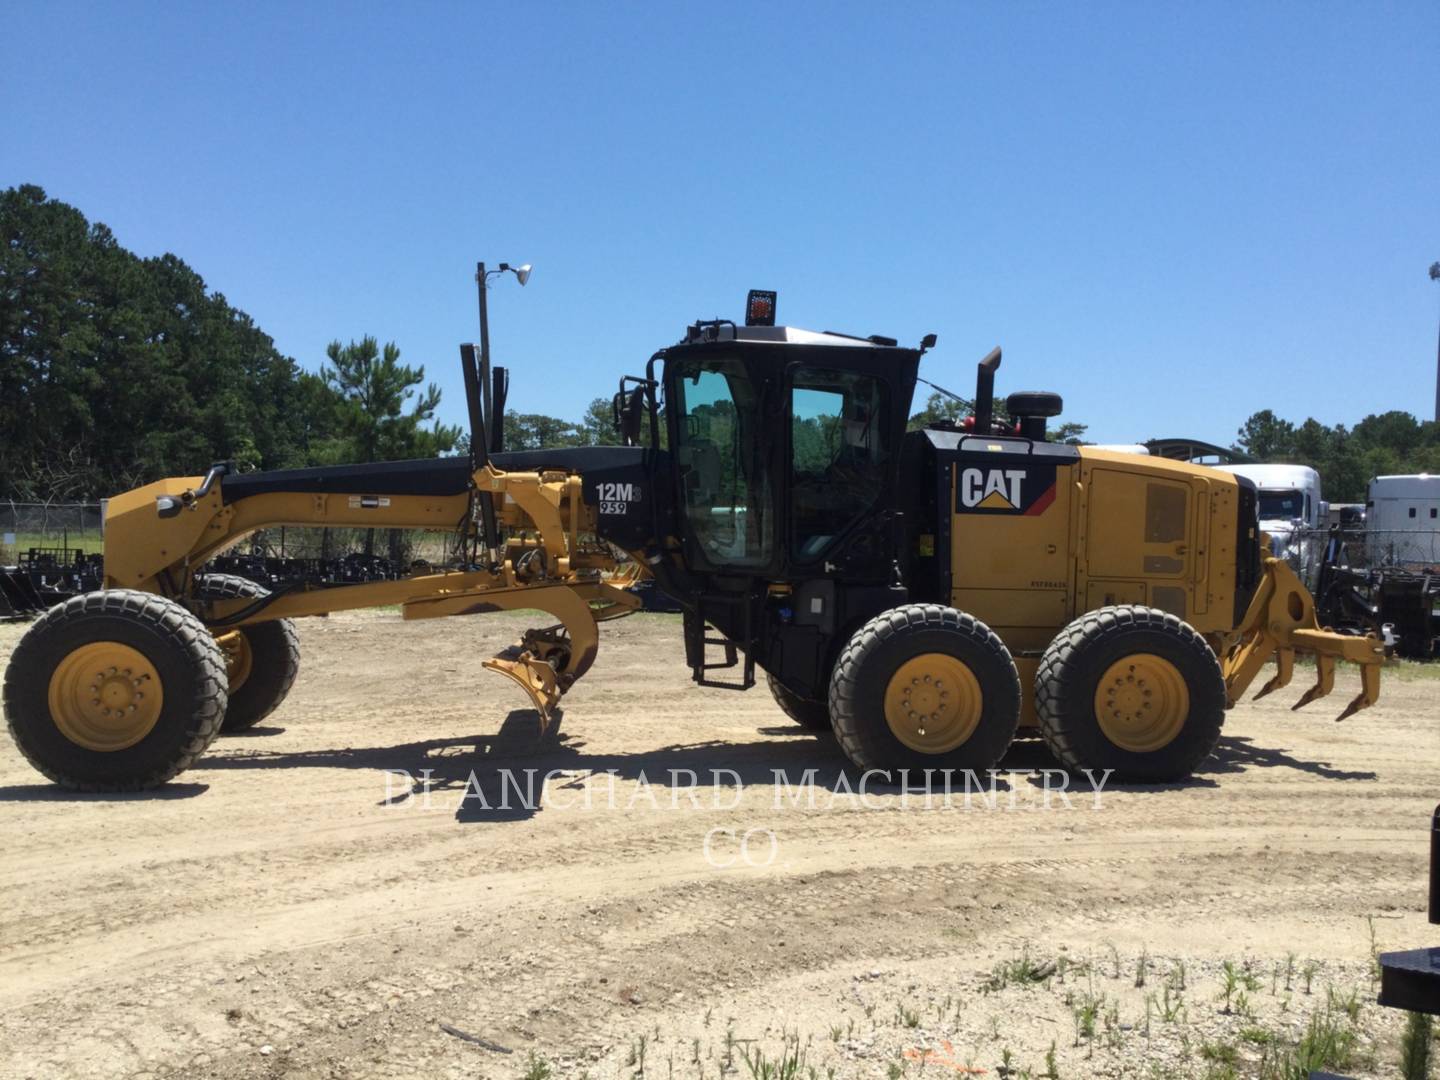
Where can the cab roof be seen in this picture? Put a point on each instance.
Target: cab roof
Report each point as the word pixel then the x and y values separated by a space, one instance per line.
pixel 723 330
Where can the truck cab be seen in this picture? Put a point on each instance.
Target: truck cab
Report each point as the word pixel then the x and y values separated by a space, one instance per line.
pixel 1292 512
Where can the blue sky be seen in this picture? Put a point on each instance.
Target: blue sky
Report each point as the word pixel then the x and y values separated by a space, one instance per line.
pixel 1172 214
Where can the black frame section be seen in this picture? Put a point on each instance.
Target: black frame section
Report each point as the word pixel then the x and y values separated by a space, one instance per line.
pixel 1248 568
pixel 796 635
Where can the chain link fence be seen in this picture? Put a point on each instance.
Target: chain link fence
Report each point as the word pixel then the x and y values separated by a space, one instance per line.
pixel 65 528
pixel 59 526
pixel 1367 549
pixel 68 527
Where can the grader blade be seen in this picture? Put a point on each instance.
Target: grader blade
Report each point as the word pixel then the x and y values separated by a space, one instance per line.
pixel 545 662
pixel 1280 620
pixel 533 675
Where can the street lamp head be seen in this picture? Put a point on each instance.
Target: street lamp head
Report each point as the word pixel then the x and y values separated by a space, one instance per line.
pixel 522 273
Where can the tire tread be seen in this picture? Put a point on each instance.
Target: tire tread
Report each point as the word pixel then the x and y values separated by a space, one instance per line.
pixel 232 586
pixel 1057 672
pixel 169 619
pixel 848 668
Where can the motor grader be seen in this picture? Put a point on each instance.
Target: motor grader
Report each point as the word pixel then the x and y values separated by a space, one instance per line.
pixel 923 593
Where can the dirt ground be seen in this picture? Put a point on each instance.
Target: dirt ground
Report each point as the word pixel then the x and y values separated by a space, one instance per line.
pixel 289 908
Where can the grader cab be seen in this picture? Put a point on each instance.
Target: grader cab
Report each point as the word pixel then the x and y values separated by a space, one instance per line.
pixel 920 593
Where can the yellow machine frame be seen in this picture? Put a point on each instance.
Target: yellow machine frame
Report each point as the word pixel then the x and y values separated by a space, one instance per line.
pixel 1127 529
pixel 544 514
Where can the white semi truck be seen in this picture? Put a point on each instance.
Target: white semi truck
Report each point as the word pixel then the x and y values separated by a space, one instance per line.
pixel 1292 512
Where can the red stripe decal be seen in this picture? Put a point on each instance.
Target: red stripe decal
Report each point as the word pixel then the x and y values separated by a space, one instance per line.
pixel 1040 505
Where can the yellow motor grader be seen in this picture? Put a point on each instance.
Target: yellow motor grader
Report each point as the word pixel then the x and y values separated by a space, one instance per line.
pixel 920 593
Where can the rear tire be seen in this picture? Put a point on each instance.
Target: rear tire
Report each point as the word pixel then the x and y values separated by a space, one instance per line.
pixel 811 715
pixel 1131 689
pixel 925 687
pixel 262 659
pixel 115 691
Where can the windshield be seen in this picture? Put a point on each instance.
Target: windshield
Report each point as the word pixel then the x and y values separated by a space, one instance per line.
pixel 724 485
pixel 1281 505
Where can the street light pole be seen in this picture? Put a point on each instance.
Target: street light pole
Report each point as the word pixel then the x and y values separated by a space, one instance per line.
pixel 485 409
pixel 482 280
pixel 1435 276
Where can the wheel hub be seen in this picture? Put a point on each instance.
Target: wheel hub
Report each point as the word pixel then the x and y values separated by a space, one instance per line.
pixel 1141 703
pixel 105 696
pixel 933 703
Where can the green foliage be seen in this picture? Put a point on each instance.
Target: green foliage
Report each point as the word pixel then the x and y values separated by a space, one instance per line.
pixel 942 408
pixel 1416 1045
pixel 787 1066
pixel 116 370
pixel 371 390
pixel 1222 1053
pixel 1346 459
pixel 535 431
pixel 1022 971
pixel 1328 1044
pixel 597 426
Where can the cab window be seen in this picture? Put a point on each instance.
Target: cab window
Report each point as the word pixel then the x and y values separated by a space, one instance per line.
pixel 724 485
pixel 838 454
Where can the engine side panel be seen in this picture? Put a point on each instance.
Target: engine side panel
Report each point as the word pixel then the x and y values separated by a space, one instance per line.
pixel 1036 535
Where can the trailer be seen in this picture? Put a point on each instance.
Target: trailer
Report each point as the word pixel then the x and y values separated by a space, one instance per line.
pixel 1402 522
pixel 1381 574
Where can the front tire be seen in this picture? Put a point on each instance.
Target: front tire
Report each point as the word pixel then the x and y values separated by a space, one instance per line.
pixel 1130 689
pixel 261 659
pixel 924 686
pixel 115 691
pixel 811 715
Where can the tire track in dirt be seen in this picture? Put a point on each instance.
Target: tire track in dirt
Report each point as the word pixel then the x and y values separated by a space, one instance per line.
pixel 273 900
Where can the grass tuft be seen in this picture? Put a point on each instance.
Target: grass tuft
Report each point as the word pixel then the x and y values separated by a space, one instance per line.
pixel 1416 1047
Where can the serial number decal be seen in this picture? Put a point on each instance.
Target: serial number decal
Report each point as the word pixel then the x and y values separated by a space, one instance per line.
pixel 607 507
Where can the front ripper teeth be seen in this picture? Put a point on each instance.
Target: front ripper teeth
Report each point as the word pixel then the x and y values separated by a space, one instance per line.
pixel 1280 620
